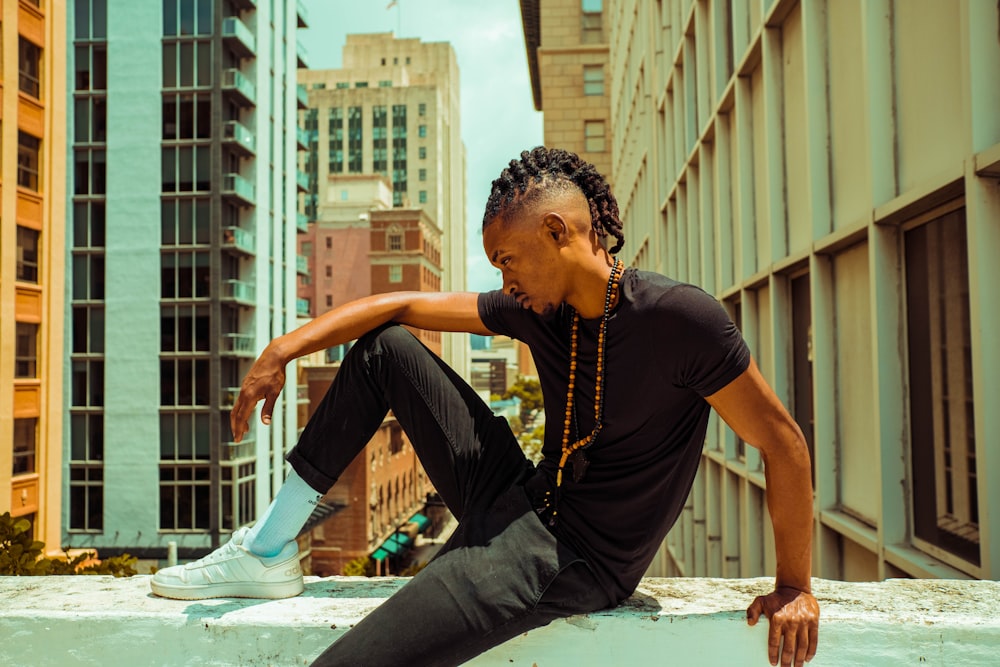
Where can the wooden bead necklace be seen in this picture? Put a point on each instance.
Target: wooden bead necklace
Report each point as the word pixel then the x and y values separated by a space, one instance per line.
pixel 574 452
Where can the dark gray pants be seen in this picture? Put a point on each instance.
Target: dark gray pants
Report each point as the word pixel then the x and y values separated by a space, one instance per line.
pixel 502 573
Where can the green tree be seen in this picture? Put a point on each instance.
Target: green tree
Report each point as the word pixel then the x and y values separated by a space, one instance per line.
pixel 21 555
pixel 530 392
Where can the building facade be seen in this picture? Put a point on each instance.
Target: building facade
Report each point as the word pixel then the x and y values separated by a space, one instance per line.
pixel 32 271
pixel 183 264
pixel 829 170
pixel 393 110
pixel 568 62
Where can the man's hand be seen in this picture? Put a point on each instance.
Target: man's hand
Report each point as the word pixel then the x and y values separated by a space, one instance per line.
pixel 794 629
pixel 263 382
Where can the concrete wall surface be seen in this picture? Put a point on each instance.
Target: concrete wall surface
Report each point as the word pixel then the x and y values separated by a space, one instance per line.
pixel 105 621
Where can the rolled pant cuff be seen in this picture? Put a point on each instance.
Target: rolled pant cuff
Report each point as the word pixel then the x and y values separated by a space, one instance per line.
pixel 317 480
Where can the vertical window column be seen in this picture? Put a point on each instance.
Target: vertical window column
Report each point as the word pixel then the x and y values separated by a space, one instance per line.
pixel 399 178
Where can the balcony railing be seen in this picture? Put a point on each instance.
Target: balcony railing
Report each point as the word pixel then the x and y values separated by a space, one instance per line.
pixel 237 238
pixel 238 137
pixel 301 265
pixel 240 291
pixel 302 96
pixel 238 189
pixel 238 37
pixel 301 222
pixel 302 393
pixel 229 395
pixel 238 344
pixel 302 13
pixel 301 138
pixel 302 307
pixel 231 451
pixel 236 84
pixel 301 180
pixel 694 621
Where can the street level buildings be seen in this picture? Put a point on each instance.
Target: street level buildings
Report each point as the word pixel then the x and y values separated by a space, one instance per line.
pixel 392 110
pixel 32 268
pixel 829 171
pixel 181 256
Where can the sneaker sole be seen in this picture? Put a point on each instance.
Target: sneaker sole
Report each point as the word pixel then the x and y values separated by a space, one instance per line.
pixel 268 591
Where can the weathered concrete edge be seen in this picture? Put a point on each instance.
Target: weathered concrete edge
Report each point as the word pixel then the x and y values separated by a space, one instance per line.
pixel 101 620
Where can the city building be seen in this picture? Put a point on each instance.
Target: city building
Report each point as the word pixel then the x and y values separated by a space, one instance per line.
pixel 182 257
pixel 393 110
pixel 568 62
pixel 32 270
pixel 829 170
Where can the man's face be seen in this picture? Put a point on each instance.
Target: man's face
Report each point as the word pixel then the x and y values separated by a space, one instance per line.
pixel 529 263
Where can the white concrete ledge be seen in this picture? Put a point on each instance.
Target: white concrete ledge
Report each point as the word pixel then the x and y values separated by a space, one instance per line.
pixel 84 620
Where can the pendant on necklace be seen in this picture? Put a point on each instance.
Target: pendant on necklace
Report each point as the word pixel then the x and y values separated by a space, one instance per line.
pixel 580 464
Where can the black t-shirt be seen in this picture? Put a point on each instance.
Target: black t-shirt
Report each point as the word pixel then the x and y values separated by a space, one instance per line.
pixel 669 344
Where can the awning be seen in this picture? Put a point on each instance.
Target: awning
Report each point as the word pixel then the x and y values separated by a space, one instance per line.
pixel 421 521
pixel 395 545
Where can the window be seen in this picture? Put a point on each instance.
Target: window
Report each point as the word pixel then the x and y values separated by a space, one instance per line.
pixel 422 131
pixel 26 351
pixel 86 497
pixel 186 169
pixel 187 64
pixel 27 255
pixel 187 17
pixel 593 79
pixel 422 175
pixel 329 271
pixel 185 222
pixel 329 239
pixel 238 489
pixel 25 445
pixel 361 84
pixel 422 152
pixel 802 369
pixel 183 382
pixel 184 275
pixel 91 19
pixel 592 30
pixel 942 434
pixel 395 242
pixel 422 196
pixel 422 109
pixel 184 328
pixel 184 493
pixel 90 120
pixel 336 138
pixel 88 277
pixel 593 133
pixel 88 330
pixel 187 116
pixel 89 173
pixel 355 150
pixel 87 383
pixel 29 64
pixel 380 141
pixel 343 84
pixel 385 84
pixel 91 67
pixel 27 160
pixel 329 301
pixel 395 273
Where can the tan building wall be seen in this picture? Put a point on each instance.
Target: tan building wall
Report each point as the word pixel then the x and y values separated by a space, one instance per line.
pixel 829 170
pixel 567 45
pixel 32 264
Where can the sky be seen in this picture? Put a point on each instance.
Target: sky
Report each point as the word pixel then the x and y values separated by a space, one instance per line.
pixel 498 117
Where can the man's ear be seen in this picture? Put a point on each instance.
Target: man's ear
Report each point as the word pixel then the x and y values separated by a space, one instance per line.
pixel 556 227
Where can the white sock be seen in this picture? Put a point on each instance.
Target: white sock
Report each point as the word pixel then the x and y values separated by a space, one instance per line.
pixel 284 518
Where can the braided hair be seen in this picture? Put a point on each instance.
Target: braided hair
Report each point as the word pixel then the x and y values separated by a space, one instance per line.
pixel 542 170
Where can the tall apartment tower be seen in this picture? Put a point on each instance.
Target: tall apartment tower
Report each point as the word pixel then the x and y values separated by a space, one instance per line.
pixel 567 49
pixel 32 271
pixel 393 110
pixel 830 171
pixel 182 253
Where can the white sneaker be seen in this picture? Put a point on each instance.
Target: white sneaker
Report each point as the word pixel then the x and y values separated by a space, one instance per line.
pixel 232 571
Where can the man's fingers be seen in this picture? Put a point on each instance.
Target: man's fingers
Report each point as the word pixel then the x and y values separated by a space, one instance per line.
pixel 268 409
pixel 813 642
pixel 788 650
pixel 773 640
pixel 754 611
pixel 801 646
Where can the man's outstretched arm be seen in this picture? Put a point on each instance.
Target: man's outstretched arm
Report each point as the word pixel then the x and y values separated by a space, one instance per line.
pixel 435 311
pixel 750 407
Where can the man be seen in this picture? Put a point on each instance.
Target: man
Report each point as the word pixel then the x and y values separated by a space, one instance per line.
pixel 630 364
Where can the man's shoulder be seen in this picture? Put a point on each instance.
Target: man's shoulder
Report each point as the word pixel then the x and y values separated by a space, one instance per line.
pixel 655 290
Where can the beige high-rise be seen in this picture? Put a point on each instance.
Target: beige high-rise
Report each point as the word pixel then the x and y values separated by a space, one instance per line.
pixel 32 264
pixel 567 49
pixel 393 109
